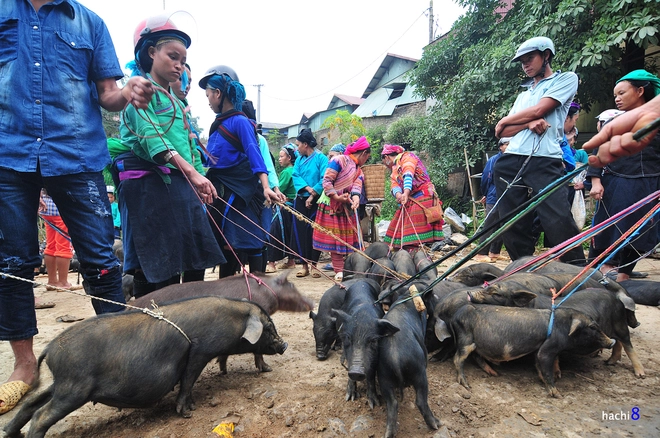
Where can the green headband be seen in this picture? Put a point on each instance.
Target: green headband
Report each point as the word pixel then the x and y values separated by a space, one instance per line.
pixel 643 75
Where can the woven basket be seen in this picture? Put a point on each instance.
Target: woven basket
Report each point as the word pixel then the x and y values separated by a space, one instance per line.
pixel 374 181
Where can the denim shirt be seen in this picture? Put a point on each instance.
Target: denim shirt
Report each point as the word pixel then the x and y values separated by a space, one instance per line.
pixel 49 109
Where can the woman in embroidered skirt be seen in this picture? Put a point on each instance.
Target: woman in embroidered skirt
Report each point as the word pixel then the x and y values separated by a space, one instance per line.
pixel 342 185
pixel 410 181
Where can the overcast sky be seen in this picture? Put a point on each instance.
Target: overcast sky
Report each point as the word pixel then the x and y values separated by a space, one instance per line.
pixel 302 51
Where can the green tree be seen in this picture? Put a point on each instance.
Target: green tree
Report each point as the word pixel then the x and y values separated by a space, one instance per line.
pixel 110 123
pixel 470 73
pixel 349 125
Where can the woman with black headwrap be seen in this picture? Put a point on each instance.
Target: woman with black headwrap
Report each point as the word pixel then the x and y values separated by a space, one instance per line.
pixel 281 225
pixel 307 179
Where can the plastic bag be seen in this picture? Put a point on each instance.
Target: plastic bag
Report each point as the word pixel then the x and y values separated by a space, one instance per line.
pixel 578 209
pixel 454 220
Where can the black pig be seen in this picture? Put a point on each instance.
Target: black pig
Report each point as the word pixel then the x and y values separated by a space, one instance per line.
pixel 377 271
pixel 644 292
pixel 423 261
pixel 132 360
pixel 402 363
pixel 477 274
pixel 360 327
pixel 325 331
pixel 271 293
pixel 610 315
pixel 494 332
pixel 404 263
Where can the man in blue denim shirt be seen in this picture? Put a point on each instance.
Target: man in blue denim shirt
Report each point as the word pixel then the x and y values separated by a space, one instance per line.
pixel 57 67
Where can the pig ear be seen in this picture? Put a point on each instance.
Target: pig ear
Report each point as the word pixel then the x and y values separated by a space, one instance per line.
pixel 522 297
pixel 312 315
pixel 574 326
pixel 339 315
pixel 282 278
pixel 253 330
pixel 488 276
pixel 386 328
pixel 441 330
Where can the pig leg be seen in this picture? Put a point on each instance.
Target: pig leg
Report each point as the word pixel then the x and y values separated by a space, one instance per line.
pixel 195 366
pixel 632 354
pixel 59 406
pixel 422 402
pixel 352 393
pixel 484 365
pixel 261 364
pixel 616 354
pixel 372 395
pixel 13 428
pixel 555 368
pixel 389 394
pixel 222 361
pixel 462 353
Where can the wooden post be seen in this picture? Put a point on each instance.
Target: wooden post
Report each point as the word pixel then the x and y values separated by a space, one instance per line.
pixel 474 205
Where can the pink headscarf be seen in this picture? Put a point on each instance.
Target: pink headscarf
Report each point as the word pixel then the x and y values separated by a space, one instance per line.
pixel 390 149
pixel 360 145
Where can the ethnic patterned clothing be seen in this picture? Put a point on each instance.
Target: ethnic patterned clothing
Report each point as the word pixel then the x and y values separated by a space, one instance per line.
pixel 341 176
pixel 148 143
pixel 409 172
pixel 409 225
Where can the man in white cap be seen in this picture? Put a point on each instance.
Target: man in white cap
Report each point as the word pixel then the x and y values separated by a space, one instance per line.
pixel 536 127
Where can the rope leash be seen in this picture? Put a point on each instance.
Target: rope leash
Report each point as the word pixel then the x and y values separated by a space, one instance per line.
pixel 318 227
pixel 605 256
pixel 155 313
pixel 547 256
pixel 510 219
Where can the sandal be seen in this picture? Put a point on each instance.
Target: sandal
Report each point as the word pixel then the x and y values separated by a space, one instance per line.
pixel 301 274
pixel 284 265
pixel 270 269
pixel 316 274
pixel 339 276
pixel 11 393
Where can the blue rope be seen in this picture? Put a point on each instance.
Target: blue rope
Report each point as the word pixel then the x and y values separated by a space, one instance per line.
pixel 597 268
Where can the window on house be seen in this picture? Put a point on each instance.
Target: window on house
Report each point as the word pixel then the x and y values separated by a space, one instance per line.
pixel 397 91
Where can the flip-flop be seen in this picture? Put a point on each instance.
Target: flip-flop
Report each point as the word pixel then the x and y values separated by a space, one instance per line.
pixel 11 393
pixel 301 274
pixel 316 274
pixel 44 305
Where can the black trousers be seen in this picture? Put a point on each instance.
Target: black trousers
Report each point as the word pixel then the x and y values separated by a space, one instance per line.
pixel 491 217
pixel 554 213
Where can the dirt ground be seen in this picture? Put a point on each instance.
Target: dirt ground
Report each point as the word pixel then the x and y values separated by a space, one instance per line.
pixel 303 397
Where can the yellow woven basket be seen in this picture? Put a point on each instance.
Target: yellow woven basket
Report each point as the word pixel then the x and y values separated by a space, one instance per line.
pixel 374 181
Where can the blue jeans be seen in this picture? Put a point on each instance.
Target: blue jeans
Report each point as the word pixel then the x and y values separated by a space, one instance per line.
pixel 85 209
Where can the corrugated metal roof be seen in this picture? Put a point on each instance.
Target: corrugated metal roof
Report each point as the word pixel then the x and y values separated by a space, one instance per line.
pixel 384 69
pixel 337 100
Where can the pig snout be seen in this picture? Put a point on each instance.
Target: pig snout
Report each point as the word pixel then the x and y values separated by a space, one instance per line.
pixel 357 373
pixel 322 353
pixel 611 343
pixel 281 347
